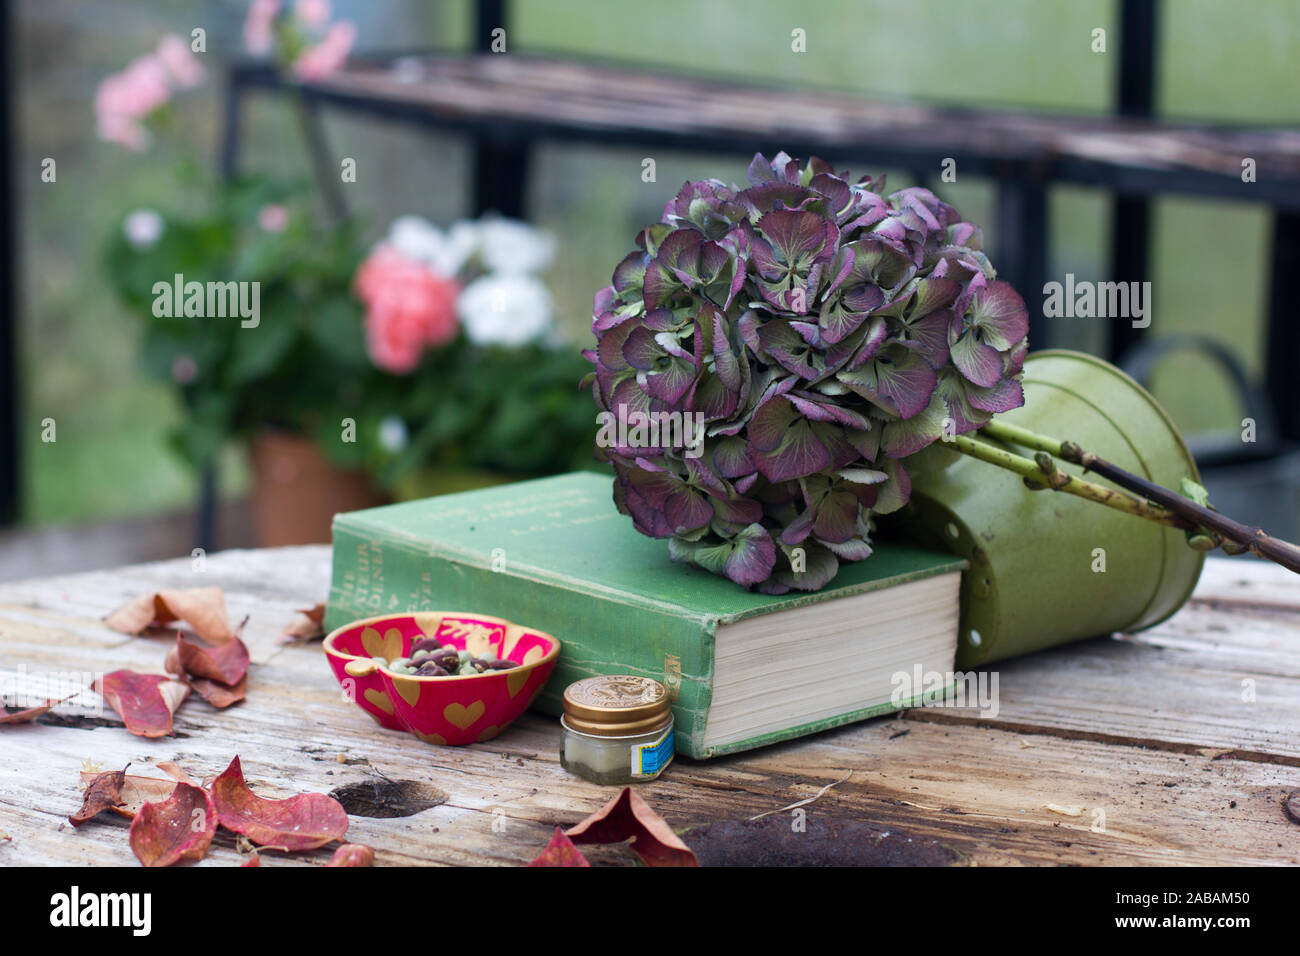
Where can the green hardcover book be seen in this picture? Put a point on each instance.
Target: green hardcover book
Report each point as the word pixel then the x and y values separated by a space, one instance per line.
pixel 745 669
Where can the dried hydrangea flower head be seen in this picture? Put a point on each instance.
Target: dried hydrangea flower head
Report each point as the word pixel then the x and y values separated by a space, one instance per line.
pixel 767 355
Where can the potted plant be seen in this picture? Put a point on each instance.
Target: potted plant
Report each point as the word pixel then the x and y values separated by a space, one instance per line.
pixel 830 350
pixel 479 390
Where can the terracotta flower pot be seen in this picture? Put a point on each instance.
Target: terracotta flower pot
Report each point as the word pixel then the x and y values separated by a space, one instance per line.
pixel 297 491
pixel 1047 567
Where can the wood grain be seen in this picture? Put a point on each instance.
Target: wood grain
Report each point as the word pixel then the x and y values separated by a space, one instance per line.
pixel 648 105
pixel 1141 743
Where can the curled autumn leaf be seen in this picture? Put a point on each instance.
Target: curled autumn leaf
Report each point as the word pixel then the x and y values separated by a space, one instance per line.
pixel 308 626
pixel 135 792
pixel 560 852
pixel 26 715
pixel 303 822
pixel 217 674
pixel 203 609
pixel 227 663
pixel 103 792
pixel 179 828
pixel 629 816
pixel 353 854
pixel 145 702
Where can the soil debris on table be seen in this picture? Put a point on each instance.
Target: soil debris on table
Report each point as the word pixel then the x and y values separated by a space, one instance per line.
pixel 772 841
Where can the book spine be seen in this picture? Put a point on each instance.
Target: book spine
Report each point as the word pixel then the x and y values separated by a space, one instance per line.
pixel 378 573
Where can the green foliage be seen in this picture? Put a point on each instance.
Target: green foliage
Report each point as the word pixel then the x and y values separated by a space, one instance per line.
pixel 303 366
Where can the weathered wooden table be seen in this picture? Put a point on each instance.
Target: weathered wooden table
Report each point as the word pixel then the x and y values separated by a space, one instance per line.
pixel 1174 746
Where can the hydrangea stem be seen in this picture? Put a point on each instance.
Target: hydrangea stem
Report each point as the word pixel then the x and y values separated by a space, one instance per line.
pixel 1043 473
pixel 1233 535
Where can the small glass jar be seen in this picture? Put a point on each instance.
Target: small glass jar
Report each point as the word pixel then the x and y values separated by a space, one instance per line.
pixel 617 729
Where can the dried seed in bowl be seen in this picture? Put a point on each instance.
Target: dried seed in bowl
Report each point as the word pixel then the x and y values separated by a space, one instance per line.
pixel 465 656
pixel 430 669
pixel 426 644
pixel 448 658
pixel 488 655
pixel 467 670
pixel 501 665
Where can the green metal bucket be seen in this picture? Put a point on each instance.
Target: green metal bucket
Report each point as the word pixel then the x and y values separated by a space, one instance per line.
pixel 1045 567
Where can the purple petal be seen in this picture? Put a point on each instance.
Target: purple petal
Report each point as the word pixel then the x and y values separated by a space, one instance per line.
pixel 1000 315
pixel 980 363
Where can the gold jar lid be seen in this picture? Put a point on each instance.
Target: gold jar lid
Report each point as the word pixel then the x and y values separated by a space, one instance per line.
pixel 616 705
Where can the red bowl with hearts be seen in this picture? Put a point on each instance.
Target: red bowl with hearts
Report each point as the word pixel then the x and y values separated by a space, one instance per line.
pixel 441 710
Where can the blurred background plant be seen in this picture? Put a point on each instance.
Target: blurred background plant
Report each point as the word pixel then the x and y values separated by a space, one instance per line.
pixel 430 365
pixel 113 463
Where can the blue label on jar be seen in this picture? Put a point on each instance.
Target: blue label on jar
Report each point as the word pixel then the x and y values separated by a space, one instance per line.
pixel 649 759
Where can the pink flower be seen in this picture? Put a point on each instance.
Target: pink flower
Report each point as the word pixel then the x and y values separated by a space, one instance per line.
pixel 273 217
pixel 409 308
pixel 123 100
pixel 259 33
pixel 327 56
pixel 313 13
pixel 180 61
pixel 184 370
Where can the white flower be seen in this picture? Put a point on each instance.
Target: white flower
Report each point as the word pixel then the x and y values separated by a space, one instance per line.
pixel 508 245
pixel 505 309
pixel 392 434
pixel 443 252
pixel 143 228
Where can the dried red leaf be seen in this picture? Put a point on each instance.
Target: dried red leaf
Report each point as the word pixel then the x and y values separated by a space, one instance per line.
pixel 179 828
pixel 308 626
pixel 226 664
pixel 203 609
pixel 627 815
pixel 103 793
pixel 304 822
pixel 220 695
pixel 560 852
pixel 136 792
pixel 353 854
pixel 26 716
pixel 219 675
pixel 145 702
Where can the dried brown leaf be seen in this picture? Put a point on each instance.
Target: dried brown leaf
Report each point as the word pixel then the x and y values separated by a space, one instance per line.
pixel 104 792
pixel 308 626
pixel 136 791
pixel 203 609
pixel 27 715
